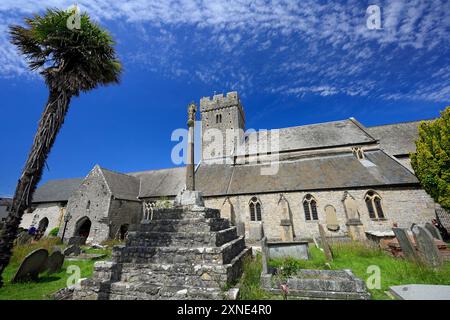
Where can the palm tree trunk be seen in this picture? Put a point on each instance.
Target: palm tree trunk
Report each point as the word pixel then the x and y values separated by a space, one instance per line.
pixel 51 121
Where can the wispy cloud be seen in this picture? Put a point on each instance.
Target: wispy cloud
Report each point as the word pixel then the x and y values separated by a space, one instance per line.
pixel 289 47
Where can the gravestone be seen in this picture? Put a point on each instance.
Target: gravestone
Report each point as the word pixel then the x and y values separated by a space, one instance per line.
pixel 428 250
pixel 325 244
pixel 331 218
pixel 31 266
pixel 264 255
pixel 78 241
pixel 72 250
pixel 433 230
pixel 55 262
pixel 406 244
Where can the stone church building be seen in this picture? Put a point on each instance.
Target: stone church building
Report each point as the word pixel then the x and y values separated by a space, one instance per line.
pixel 351 178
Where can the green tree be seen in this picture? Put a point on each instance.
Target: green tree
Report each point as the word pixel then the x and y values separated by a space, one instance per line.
pixel 73 55
pixel 431 162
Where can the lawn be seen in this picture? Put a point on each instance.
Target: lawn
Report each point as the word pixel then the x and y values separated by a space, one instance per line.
pixel 47 284
pixel 358 258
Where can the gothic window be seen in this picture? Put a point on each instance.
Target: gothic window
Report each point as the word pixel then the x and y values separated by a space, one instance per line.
pixel 218 118
pixel 374 207
pixel 255 209
pixel 310 208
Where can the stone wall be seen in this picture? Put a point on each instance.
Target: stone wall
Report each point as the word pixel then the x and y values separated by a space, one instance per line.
pixel 54 212
pixel 123 212
pixel 92 200
pixel 403 206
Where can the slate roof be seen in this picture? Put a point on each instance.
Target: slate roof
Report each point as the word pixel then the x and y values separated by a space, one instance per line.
pixel 318 173
pixel 122 186
pixel 160 183
pixel 4 203
pixel 396 139
pixel 316 136
pixel 56 190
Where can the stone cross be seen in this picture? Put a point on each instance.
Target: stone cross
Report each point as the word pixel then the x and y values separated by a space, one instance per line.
pixel 190 178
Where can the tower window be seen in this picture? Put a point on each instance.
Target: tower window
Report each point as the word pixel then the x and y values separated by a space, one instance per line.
pixel 310 208
pixel 88 205
pixel 218 118
pixel 255 209
pixel 374 207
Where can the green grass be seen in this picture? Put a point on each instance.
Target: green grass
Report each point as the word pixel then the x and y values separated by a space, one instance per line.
pixel 47 284
pixel 250 288
pixel 358 257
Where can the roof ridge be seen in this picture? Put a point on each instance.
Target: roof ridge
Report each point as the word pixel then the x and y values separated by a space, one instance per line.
pixel 362 128
pixel 303 125
pixel 116 172
pixel 153 170
pixel 401 122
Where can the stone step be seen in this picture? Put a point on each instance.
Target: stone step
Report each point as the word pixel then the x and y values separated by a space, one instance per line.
pixel 184 225
pixel 182 239
pixel 173 254
pixel 147 291
pixel 208 277
pixel 176 213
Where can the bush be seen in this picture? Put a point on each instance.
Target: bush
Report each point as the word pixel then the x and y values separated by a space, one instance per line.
pixel 54 232
pixel 431 162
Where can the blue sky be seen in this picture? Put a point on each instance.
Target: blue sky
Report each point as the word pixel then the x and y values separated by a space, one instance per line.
pixel 292 62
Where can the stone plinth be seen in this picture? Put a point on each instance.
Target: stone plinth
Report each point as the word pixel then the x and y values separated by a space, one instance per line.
pixel 319 284
pixel 189 198
pixel 186 252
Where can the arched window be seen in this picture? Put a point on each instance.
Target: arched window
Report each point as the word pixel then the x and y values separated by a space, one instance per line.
pixel 218 118
pixel 310 208
pixel 374 207
pixel 255 209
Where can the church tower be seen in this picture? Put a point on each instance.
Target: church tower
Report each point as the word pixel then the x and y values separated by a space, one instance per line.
pixel 224 114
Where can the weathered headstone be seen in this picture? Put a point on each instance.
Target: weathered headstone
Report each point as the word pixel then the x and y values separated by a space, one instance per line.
pixel 325 244
pixel 264 255
pixel 55 262
pixel 405 243
pixel 31 266
pixel 331 218
pixel 72 250
pixel 78 241
pixel 433 230
pixel 428 250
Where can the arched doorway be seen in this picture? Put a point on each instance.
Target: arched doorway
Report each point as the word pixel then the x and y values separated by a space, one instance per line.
pixel 83 227
pixel 123 231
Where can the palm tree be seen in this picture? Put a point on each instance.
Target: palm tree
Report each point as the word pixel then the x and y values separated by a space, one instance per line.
pixel 72 59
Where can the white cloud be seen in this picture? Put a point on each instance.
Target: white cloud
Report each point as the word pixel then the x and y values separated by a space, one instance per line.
pixel 312 47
